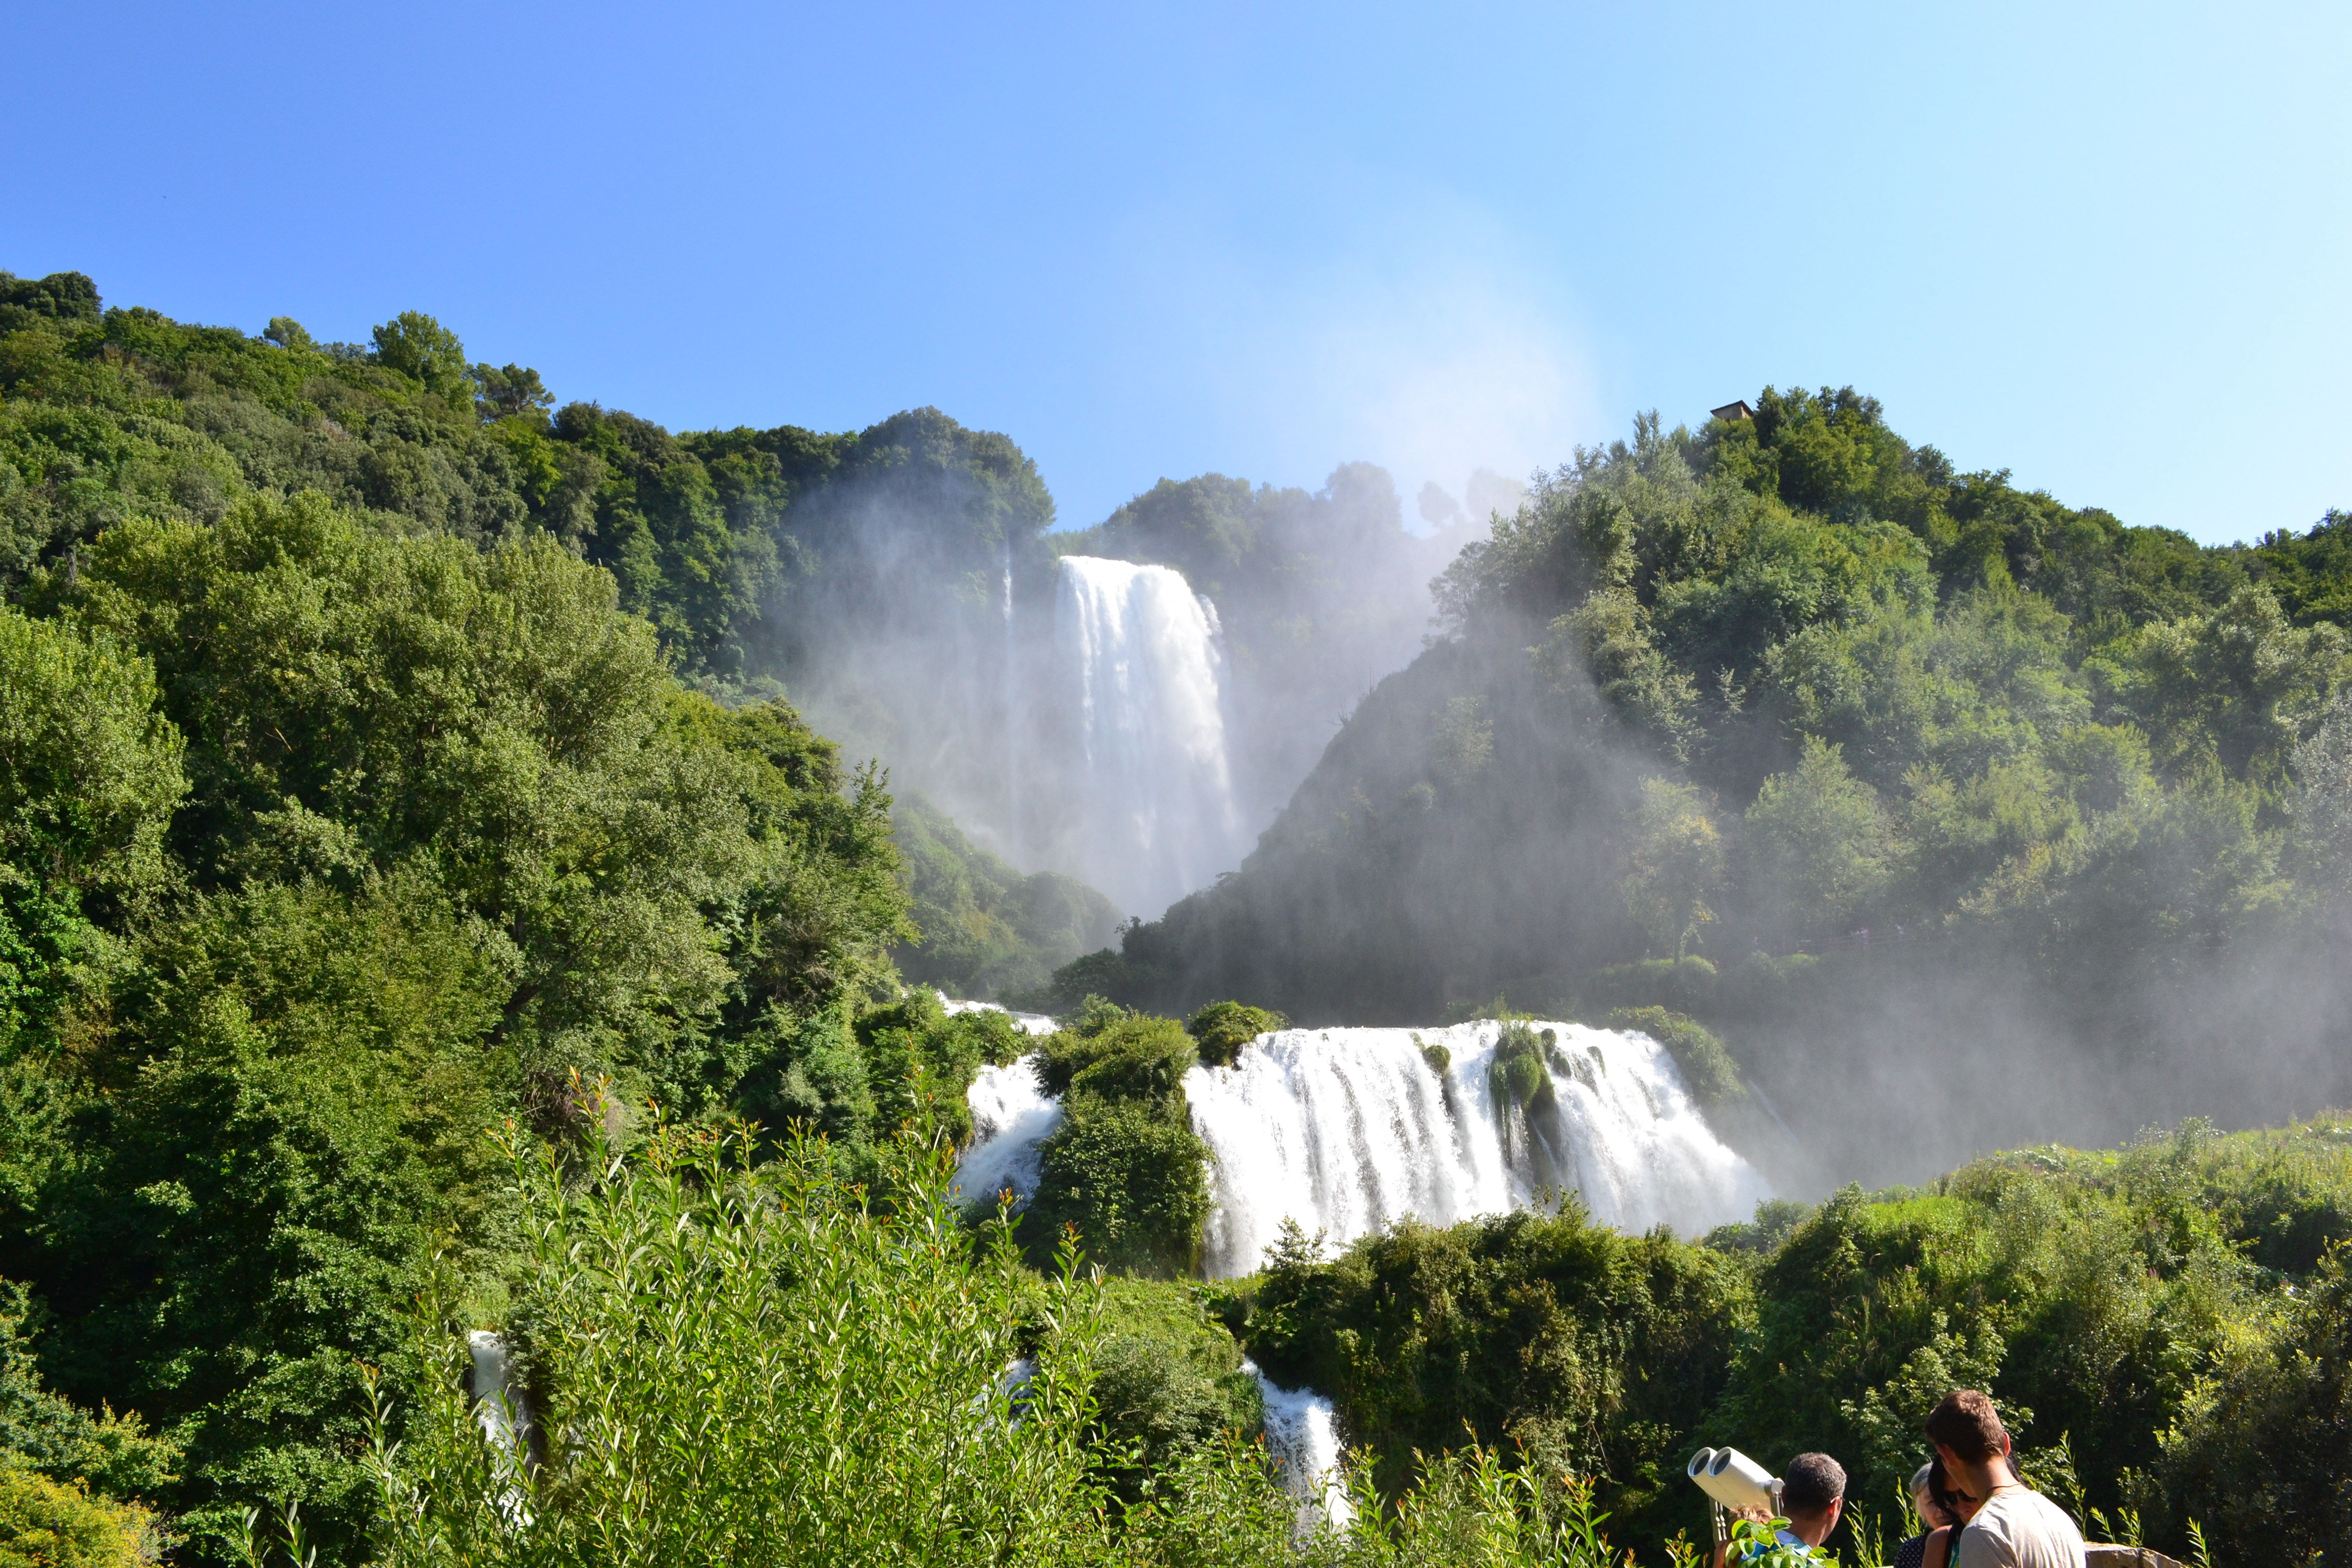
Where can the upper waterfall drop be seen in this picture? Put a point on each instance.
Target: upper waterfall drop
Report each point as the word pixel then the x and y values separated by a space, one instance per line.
pixel 1153 787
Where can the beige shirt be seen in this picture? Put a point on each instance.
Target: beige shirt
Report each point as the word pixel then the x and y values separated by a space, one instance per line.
pixel 2020 1528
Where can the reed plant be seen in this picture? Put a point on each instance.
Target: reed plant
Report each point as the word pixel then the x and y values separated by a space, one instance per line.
pixel 751 1362
pixel 730 1354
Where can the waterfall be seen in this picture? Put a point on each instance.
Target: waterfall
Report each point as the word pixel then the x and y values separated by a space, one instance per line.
pixel 499 1408
pixel 1347 1131
pixel 1151 798
pixel 1011 1115
pixel 1028 1023
pixel 1303 1437
pixel 504 1416
pixel 1014 753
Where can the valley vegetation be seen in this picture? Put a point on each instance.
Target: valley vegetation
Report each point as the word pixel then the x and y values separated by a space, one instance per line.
pixel 422 909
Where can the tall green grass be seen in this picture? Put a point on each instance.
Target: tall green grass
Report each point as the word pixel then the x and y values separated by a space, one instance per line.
pixel 739 1360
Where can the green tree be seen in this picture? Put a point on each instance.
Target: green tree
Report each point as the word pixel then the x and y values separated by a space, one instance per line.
pixel 511 391
pixel 1125 1168
pixel 2235 688
pixel 89 775
pixel 46 1524
pixel 2257 1452
pixel 89 772
pixel 1817 840
pixel 1222 1029
pixel 1674 865
pixel 421 348
pixel 355 700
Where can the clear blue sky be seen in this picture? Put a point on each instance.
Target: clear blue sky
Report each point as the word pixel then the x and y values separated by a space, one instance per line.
pixel 2103 247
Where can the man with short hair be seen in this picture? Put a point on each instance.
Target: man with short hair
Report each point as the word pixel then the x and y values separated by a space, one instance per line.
pixel 1812 1494
pixel 2015 1526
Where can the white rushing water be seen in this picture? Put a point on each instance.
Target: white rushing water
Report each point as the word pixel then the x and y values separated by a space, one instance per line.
pixel 1303 1437
pixel 1152 801
pixel 1347 1131
pixel 500 1410
pixel 1028 1023
pixel 503 1411
pixel 1011 1115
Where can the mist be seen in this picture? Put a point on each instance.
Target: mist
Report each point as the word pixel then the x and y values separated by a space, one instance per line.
pixel 1130 704
pixel 1943 874
pixel 1957 839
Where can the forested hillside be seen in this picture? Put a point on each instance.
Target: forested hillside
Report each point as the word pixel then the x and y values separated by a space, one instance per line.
pixel 352 803
pixel 411 868
pixel 1894 753
pixel 719 538
pixel 748 551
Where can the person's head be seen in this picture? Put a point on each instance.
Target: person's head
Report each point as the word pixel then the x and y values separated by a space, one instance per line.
pixel 1970 1441
pixel 1812 1491
pixel 1926 1498
pixel 1952 1499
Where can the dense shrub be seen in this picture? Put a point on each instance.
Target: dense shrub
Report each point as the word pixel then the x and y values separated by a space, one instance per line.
pixel 1168 1378
pixel 1124 1167
pixel 2260 1452
pixel 1598 1353
pixel 747 1363
pixel 2111 1301
pixel 754 1364
pixel 1130 1179
pixel 2097 1295
pixel 1128 1058
pixel 48 1524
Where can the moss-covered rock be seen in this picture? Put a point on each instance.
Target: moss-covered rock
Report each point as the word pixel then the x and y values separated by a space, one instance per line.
pixel 1222 1029
pixel 1518 1077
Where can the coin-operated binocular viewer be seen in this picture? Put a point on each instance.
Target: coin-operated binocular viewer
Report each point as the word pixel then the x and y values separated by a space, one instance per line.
pixel 1734 1483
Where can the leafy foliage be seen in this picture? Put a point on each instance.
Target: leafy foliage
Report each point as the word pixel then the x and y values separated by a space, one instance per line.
pixel 756 1364
pixel 2257 1452
pixel 855 1358
pixel 46 1523
pixel 365 781
pixel 2153 1320
pixel 730 543
pixel 1124 1169
pixel 987 930
pixel 344 811
pixel 1222 1029
pixel 1597 1354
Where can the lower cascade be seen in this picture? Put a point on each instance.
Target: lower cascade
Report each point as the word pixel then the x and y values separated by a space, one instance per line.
pixel 1011 1115
pixel 1302 1435
pixel 1349 1130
